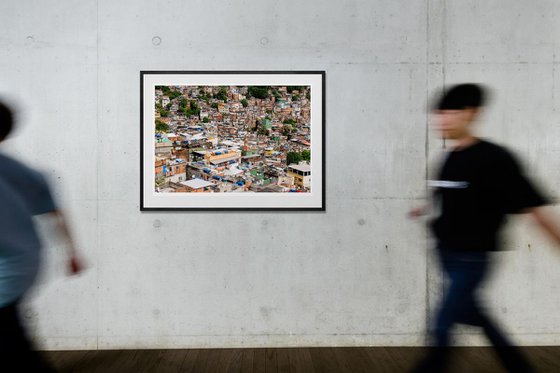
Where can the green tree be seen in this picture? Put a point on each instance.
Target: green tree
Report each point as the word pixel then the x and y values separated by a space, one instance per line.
pixel 163 88
pixel 292 88
pixel 183 107
pixel 174 94
pixel 194 109
pixel 258 91
pixel 293 157
pixel 161 126
pixel 205 120
pixel 222 94
pixel 257 125
pixel 262 131
pixel 306 155
pixel 244 102
pixel 289 121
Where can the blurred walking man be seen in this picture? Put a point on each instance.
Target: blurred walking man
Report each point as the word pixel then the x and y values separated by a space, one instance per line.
pixel 24 193
pixel 479 183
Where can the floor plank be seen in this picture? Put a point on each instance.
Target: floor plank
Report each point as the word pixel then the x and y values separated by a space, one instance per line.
pixel 213 360
pixel 383 361
pixel 475 359
pixel 352 360
pixel 300 360
pixel 201 362
pixel 271 361
pixel 324 360
pixel 105 361
pixel 248 360
pixel 283 357
pixel 545 359
pixel 259 361
pixel 230 361
pixel 65 361
pixel 405 357
pixel 189 362
pixel 169 361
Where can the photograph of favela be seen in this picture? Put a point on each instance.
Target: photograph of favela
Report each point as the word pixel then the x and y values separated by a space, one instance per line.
pixel 232 139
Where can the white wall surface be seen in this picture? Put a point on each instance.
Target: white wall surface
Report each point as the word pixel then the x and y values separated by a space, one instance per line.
pixel 358 274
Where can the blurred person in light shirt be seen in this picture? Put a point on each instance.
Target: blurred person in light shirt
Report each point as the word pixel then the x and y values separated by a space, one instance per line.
pixel 24 193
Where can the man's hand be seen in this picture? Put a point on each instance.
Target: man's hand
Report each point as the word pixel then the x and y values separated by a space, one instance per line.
pixel 417 212
pixel 75 265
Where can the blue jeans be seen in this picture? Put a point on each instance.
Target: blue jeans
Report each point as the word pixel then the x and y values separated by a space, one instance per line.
pixel 466 271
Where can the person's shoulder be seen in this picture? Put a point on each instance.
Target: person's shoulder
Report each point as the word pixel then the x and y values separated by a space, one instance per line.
pixel 493 148
pixel 499 156
pixel 10 164
pixel 11 167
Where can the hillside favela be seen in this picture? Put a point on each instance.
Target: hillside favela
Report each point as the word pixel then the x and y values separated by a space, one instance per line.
pixel 232 139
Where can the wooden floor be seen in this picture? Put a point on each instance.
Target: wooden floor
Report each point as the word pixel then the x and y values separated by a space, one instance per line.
pixel 289 360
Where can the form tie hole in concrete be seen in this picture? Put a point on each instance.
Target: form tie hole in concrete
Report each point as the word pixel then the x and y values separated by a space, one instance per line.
pixel 30 39
pixel 156 40
pixel 265 41
pixel 157 223
pixel 362 222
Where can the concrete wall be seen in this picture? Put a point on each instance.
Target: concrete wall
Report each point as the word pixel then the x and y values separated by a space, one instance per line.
pixel 359 274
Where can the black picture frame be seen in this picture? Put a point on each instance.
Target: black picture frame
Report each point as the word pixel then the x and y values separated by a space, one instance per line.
pixel 171 195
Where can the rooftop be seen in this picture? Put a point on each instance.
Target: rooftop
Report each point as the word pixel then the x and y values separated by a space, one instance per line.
pixel 301 167
pixel 196 183
pixel 225 159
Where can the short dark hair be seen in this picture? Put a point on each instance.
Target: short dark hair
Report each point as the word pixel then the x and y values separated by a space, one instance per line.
pixel 6 121
pixel 461 96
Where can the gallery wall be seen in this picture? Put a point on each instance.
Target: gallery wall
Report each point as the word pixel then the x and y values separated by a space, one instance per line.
pixel 360 273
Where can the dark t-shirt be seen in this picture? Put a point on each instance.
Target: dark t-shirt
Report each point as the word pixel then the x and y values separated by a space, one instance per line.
pixel 476 188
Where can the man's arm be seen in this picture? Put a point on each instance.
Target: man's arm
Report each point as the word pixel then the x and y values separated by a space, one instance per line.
pixel 75 265
pixel 547 221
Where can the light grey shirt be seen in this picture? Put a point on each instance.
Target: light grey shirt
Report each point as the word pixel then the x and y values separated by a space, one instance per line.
pixel 24 193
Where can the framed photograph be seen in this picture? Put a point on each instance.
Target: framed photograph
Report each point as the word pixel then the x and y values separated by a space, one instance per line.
pixel 232 140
